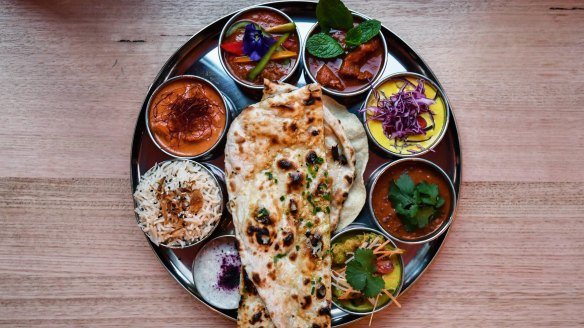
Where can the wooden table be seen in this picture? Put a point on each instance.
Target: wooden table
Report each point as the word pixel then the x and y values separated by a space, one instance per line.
pixel 74 75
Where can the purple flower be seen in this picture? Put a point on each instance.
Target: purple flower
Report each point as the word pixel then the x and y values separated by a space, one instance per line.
pixel 255 43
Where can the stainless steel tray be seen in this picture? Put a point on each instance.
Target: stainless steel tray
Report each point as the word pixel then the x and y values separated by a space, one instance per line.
pixel 199 56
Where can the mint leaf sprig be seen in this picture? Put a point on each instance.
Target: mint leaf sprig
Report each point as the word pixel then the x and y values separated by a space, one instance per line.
pixel 334 14
pixel 415 204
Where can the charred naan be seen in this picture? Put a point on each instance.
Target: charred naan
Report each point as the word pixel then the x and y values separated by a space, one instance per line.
pixel 346 130
pixel 280 191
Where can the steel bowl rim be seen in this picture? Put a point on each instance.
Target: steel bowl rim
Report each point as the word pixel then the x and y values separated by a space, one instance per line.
pixel 230 22
pixel 431 236
pixel 222 210
pixel 358 91
pixel 226 105
pixel 438 91
pixel 396 293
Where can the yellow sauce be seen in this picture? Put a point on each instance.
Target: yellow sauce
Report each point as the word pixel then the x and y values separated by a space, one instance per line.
pixel 432 135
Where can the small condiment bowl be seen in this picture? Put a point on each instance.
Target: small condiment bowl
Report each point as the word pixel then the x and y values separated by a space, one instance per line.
pixel 355 229
pixel 217 240
pixel 372 183
pixel 246 85
pixel 221 213
pixel 399 76
pixel 209 153
pixel 312 79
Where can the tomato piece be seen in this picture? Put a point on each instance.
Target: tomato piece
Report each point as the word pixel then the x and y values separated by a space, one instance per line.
pixel 422 122
pixel 288 43
pixel 384 266
pixel 235 47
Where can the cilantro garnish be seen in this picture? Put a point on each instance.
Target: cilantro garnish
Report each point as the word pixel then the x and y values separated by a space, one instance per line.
pixel 415 204
pixel 282 198
pixel 360 273
pixel 269 175
pixel 279 256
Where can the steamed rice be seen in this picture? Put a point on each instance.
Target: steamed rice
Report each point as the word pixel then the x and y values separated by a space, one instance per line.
pixel 168 183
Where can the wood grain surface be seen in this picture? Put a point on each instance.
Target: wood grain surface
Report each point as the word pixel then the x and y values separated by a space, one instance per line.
pixel 74 74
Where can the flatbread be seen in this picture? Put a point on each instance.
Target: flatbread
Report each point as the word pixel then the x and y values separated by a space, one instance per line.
pixel 354 132
pixel 357 136
pixel 275 167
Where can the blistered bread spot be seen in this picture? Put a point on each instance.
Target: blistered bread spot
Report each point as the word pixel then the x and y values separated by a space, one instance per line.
pixel 306 302
pixel 295 181
pixel 285 164
pixel 349 179
pixel 326 311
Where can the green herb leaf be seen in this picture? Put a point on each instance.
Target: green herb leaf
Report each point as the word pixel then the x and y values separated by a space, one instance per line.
pixel 374 286
pixel 262 213
pixel 415 204
pixel 323 46
pixel 366 258
pixel 279 256
pixel 405 184
pixel 356 275
pixel 360 273
pixel 363 32
pixel 333 13
pixel 269 175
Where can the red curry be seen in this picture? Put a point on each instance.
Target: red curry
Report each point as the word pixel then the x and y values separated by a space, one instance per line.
pixel 384 211
pixel 351 72
pixel 187 117
pixel 275 70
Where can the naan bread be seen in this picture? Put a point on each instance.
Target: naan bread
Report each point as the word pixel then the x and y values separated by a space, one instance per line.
pixel 352 130
pixel 357 136
pixel 277 184
pixel 340 153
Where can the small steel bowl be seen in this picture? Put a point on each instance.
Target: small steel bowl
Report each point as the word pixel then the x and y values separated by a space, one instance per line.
pixel 337 93
pixel 426 81
pixel 431 236
pixel 219 239
pixel 221 214
pixel 226 104
pixel 355 229
pixel 246 85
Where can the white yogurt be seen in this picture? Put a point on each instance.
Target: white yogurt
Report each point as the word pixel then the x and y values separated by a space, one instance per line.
pixel 216 272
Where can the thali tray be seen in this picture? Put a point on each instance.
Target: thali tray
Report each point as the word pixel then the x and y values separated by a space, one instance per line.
pixel 200 56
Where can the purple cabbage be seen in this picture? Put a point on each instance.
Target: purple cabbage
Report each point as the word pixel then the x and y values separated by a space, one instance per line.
pixel 399 113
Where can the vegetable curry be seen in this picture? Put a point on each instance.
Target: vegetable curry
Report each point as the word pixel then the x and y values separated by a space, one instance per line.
pixel 281 62
pixel 385 211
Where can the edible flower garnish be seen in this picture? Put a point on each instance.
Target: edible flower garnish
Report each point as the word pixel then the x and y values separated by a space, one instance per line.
pixel 255 43
pixel 400 113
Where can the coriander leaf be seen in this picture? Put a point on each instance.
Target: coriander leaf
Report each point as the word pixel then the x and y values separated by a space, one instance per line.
pixel 374 286
pixel 431 190
pixel 323 46
pixel 363 32
pixel 409 212
pixel 398 197
pixel 439 202
pixel 366 258
pixel 279 256
pixel 405 184
pixel 333 13
pixel 356 275
pixel 423 215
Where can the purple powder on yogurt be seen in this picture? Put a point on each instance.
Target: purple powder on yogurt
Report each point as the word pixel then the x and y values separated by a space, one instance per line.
pixel 229 274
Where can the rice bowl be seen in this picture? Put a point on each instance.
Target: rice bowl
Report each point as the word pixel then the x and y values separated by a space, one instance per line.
pixel 179 203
